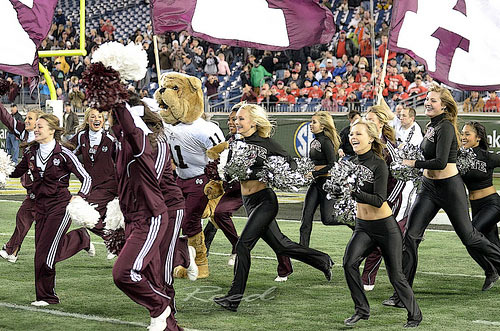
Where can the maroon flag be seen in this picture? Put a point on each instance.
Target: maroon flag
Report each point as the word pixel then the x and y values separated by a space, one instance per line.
pixel 455 39
pixel 263 24
pixel 23 26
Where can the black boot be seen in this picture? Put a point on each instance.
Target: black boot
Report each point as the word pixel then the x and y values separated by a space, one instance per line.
pixel 229 302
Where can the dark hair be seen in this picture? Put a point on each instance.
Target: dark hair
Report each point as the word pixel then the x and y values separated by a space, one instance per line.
pixel 480 132
pixel 352 114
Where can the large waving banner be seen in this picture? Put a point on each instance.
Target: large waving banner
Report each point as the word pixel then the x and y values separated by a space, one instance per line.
pixel 457 40
pixel 263 24
pixel 23 26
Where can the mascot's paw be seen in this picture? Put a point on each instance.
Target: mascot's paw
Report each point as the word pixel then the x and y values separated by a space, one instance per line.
pixel 214 152
pixel 213 189
pixel 203 271
pixel 180 272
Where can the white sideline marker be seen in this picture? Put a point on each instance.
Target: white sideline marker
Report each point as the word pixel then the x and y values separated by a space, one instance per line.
pixel 486 323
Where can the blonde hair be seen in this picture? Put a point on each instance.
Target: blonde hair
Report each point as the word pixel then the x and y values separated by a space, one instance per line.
pixel 387 130
pixel 85 124
pixel 451 111
pixel 265 128
pixel 53 123
pixel 371 129
pixel 35 111
pixel 326 120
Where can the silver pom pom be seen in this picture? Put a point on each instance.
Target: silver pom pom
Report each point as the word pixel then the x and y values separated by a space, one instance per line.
pixel 405 173
pixel 278 173
pixel 242 158
pixel 345 177
pixel 465 160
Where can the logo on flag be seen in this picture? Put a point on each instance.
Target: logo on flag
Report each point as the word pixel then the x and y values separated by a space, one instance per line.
pixel 23 25
pixel 263 24
pixel 455 39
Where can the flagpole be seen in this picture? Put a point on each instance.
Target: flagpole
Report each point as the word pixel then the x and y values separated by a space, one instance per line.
pixel 157 58
pixel 382 77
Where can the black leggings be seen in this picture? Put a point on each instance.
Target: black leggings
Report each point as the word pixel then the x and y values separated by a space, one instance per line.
pixel 262 208
pixel 315 197
pixel 485 216
pixel 450 195
pixel 368 235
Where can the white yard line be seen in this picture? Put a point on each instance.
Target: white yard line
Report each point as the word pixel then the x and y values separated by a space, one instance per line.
pixel 486 323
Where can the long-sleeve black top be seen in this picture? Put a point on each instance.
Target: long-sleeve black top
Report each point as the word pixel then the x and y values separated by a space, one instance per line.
pixel 374 174
pixel 481 174
pixel 264 147
pixel 439 146
pixel 322 152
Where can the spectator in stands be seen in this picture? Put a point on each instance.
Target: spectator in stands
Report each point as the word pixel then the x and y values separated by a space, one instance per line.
pixel 76 68
pixel 268 61
pixel 350 71
pixel 340 69
pixel 165 61
pixel 108 27
pixel 315 92
pixel 474 103
pixel 212 85
pixel 295 90
pixel 211 62
pixel 304 92
pixel 59 75
pixel 428 81
pixel 365 46
pixel 400 94
pixel 248 95
pixel 493 103
pixel 76 98
pixel 228 53
pixel 176 57
pixel 330 66
pixel 344 46
pixel 59 17
pixel 71 122
pixel 383 46
pixel 267 96
pixel 223 66
pixel 245 75
pixel 392 81
pixel 258 75
pixel 60 94
pixel 352 102
pixel 341 98
pixel 322 70
pixel 280 62
pixel 362 73
pixel 417 87
pixel 287 76
pixel 295 78
pixel 299 68
pixel 329 103
pixel 188 67
pixel 310 75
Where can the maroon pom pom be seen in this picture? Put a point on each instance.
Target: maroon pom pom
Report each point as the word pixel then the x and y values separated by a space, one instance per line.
pixel 114 240
pixel 103 87
pixel 4 86
pixel 211 170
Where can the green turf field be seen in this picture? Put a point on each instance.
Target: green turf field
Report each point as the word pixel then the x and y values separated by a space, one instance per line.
pixel 447 286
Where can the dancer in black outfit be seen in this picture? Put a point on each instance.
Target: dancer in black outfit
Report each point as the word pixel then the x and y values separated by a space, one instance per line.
pixel 261 205
pixel 375 227
pixel 345 149
pixel 484 199
pixel 442 187
pixel 323 153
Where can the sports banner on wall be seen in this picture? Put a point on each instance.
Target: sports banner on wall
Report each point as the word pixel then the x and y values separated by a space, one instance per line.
pixel 457 40
pixel 263 24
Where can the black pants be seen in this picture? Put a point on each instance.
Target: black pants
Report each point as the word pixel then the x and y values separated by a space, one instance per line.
pixel 485 216
pixel 450 195
pixel 315 197
pixel 368 235
pixel 262 208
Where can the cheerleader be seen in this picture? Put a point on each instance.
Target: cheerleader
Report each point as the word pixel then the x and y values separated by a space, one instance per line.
pixel 323 152
pixel 25 215
pixel 141 200
pixel 261 205
pixel 97 148
pixel 50 165
pixel 387 134
pixel 484 199
pixel 375 227
pixel 442 187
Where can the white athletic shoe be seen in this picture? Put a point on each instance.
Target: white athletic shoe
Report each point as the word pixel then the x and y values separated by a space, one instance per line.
pixel 280 279
pixel 11 258
pixel 91 251
pixel 368 288
pixel 110 256
pixel 160 323
pixel 40 303
pixel 192 270
pixel 232 260
pixel 3 253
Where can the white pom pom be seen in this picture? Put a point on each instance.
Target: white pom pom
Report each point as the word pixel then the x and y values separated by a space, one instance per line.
pixel 6 167
pixel 130 61
pixel 114 217
pixel 222 162
pixel 82 213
